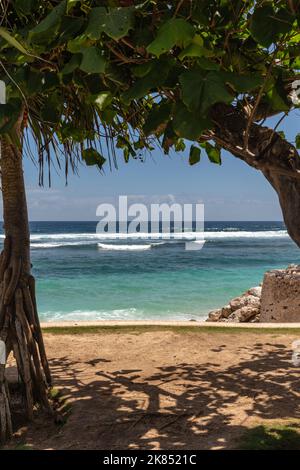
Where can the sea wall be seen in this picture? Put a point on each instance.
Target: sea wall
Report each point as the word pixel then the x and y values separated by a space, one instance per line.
pixel 280 297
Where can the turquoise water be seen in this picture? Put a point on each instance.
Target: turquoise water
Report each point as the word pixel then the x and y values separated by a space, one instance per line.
pixel 79 280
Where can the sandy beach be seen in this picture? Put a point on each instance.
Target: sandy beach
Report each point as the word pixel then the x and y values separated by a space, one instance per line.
pixel 176 386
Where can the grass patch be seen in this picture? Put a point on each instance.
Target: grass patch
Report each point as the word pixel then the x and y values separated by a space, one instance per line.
pixel 23 447
pixel 138 329
pixel 54 393
pixel 61 406
pixel 20 446
pixel 276 437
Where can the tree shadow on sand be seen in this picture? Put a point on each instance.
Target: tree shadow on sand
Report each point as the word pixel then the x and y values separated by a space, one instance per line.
pixel 187 406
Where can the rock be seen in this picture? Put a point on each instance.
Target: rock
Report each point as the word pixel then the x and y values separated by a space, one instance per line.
pixel 215 315
pixel 226 311
pixel 244 308
pixel 256 291
pixel 293 268
pixel 280 298
pixel 277 300
pixel 244 314
pixel 255 319
pixel 243 301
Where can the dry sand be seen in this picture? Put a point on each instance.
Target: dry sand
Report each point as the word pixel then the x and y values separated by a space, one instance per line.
pixel 161 388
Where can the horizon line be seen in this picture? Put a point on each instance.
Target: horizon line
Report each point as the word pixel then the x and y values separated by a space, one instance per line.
pixel 207 220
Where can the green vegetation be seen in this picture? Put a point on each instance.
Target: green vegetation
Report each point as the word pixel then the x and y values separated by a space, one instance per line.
pixel 272 437
pixel 144 73
pixel 139 329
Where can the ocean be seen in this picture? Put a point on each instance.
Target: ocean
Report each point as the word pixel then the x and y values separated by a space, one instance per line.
pixel 82 277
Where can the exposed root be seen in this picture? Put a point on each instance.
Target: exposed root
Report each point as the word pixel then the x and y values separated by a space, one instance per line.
pixel 21 332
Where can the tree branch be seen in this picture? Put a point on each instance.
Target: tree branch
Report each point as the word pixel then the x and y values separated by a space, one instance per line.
pixel 267 150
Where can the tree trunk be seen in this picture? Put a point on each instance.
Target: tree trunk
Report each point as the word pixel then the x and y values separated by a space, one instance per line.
pixel 288 191
pixel 20 330
pixel 266 151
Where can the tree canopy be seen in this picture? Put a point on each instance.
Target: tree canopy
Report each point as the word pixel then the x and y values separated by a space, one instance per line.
pixel 93 75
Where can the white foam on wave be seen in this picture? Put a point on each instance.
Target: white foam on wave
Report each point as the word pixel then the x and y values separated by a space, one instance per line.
pixel 112 236
pixel 89 315
pixel 107 246
pixel 56 240
pixel 245 234
pixel 130 313
pixel 60 244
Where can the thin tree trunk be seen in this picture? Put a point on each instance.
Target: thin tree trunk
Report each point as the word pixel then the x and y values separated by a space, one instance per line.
pixel 19 324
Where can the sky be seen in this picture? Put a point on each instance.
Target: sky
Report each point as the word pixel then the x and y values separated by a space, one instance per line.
pixel 232 191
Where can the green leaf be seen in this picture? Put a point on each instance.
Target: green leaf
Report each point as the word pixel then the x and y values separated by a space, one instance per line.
pixel 73 64
pixel 141 70
pixel 24 6
pixel 78 44
pixel 51 111
pixel 157 118
pixel 207 64
pixel 71 4
pixel 102 100
pixel 47 29
pixel 242 83
pixel 156 77
pixel 213 153
pixel 115 22
pixel 12 41
pixel 50 81
pixel 200 90
pixel 9 112
pixel 297 141
pixel 267 25
pixel 108 115
pixel 277 97
pixel 92 157
pixel 93 60
pixel 69 27
pixel 175 32
pixel 71 132
pixel 195 154
pixel 192 50
pixel 93 84
pixel 282 135
pixel 189 125
pixel 34 82
pixel 180 145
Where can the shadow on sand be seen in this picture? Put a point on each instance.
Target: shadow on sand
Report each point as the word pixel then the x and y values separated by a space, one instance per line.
pixel 187 406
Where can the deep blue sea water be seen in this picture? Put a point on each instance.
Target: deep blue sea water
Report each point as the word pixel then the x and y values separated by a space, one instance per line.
pixel 79 280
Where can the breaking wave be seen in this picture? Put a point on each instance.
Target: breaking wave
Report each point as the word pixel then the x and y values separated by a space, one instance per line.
pixel 107 241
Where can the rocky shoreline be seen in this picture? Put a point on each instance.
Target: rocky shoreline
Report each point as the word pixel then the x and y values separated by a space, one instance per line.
pixel 277 299
pixel 245 308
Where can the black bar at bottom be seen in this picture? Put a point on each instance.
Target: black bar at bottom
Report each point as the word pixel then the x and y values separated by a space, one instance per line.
pixel 136 459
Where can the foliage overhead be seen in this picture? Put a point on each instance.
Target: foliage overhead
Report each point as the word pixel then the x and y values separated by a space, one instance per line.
pixel 93 75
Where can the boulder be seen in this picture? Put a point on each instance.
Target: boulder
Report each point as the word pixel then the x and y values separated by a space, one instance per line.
pixel 240 309
pixel 244 301
pixel 226 311
pixel 277 300
pixel 215 315
pixel 244 314
pixel 256 291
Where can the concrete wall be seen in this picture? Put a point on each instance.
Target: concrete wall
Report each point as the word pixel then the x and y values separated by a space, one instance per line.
pixel 280 297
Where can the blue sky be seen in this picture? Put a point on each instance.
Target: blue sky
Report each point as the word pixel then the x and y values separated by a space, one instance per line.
pixel 232 191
